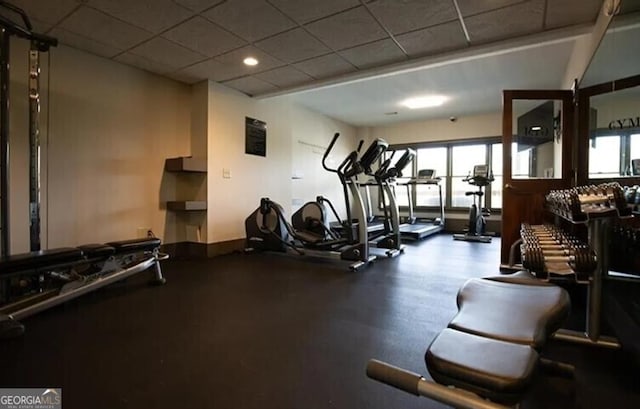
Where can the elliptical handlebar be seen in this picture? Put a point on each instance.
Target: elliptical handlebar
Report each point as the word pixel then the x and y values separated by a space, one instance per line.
pixel 327 151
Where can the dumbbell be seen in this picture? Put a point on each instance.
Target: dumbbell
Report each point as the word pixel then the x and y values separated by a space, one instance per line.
pixel 581 260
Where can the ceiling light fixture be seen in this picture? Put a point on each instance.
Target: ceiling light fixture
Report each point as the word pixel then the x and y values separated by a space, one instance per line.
pixel 425 102
pixel 536 128
pixel 250 61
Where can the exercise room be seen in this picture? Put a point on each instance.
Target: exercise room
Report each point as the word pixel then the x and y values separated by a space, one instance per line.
pixel 312 204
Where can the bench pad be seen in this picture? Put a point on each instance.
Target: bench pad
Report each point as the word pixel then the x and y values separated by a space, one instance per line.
pixel 38 259
pixel 524 314
pixel 496 370
pixel 92 251
pixel 133 245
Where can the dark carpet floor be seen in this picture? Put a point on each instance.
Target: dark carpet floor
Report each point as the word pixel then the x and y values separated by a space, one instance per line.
pixel 269 331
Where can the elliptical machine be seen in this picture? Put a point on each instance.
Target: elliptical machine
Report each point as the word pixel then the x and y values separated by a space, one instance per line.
pixel 268 229
pixel 476 230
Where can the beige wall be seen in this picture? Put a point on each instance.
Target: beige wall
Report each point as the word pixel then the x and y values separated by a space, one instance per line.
pixel 111 128
pixel 438 129
pixel 231 200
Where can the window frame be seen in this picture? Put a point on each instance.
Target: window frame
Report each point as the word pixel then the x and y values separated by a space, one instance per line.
pixel 449 144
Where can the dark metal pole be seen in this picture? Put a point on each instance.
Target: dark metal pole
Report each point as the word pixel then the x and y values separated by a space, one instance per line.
pixel 4 141
pixel 34 147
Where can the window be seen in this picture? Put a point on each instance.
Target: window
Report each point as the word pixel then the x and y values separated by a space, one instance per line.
pixel 521 162
pixel 604 157
pixel 634 151
pixel 463 159
pixel 496 168
pixel 436 159
pixel 401 191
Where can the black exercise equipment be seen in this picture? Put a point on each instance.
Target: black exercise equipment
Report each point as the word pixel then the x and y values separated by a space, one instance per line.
pixel 487 358
pixel 481 178
pixel 35 281
pixel 39 43
pixel 417 228
pixel 267 228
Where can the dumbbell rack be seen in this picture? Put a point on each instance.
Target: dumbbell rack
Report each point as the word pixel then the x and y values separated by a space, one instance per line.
pixel 595 207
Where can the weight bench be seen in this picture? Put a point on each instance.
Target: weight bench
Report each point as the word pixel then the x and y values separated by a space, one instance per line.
pixel 488 355
pixel 33 282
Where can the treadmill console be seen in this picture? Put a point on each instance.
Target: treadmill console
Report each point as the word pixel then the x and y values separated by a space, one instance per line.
pixel 427 174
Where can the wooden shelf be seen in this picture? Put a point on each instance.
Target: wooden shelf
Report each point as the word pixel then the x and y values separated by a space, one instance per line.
pixel 187 205
pixel 186 164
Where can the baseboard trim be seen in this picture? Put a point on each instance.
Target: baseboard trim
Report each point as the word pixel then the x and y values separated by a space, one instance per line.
pixel 187 249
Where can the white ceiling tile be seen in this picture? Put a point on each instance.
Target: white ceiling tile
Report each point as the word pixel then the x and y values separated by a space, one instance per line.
pixel 203 36
pixel 565 13
pixel 84 43
pixel 284 77
pixel 185 78
pixel 374 54
pixel 434 39
pixel 629 6
pixel 407 15
pixel 198 5
pixel 235 58
pixel 152 15
pixel 46 11
pixel 304 11
pixel 347 29
pixel 250 19
pixel 165 52
pixel 326 66
pixel 521 19
pixel 211 69
pixel 292 46
pixel 470 7
pixel 96 25
pixel 143 63
pixel 250 85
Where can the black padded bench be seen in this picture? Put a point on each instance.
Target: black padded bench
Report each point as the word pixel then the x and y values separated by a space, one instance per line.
pixel 490 348
pixel 65 273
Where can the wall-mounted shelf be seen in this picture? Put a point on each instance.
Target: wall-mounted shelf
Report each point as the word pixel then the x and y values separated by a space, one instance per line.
pixel 186 164
pixel 187 205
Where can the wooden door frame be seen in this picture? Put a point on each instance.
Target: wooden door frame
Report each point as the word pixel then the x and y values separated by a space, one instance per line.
pixel 532 187
pixel 582 140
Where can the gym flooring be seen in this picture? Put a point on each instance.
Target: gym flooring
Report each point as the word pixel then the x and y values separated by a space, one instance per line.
pixel 272 331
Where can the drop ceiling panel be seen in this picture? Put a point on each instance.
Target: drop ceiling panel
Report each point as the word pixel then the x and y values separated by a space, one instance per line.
pixel 471 7
pixel 167 53
pixel 304 11
pixel 250 85
pixel 374 54
pixel 46 11
pixel 326 66
pixel 408 15
pixel 292 46
pixel 234 60
pixel 210 69
pixel 144 63
pixel 198 5
pixel 84 43
pixel 98 26
pixel 284 76
pixel 569 12
pixel 434 39
pixel 203 36
pixel 250 19
pixel 347 29
pixel 507 22
pixel 152 15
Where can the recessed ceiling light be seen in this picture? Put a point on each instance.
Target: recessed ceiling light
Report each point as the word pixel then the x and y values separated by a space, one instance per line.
pixel 536 128
pixel 424 102
pixel 250 61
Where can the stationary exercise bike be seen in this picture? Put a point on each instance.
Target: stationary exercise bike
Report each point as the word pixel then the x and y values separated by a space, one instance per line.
pixel 476 230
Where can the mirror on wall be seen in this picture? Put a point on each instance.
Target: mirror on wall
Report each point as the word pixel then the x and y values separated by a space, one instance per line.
pixel 614 109
pixel 536 151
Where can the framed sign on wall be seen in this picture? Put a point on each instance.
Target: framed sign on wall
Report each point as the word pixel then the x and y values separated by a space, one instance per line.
pixel 255 137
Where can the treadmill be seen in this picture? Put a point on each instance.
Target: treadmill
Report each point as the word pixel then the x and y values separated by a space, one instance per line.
pixel 417 228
